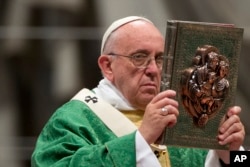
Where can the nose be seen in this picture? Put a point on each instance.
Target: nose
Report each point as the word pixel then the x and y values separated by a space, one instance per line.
pixel 152 67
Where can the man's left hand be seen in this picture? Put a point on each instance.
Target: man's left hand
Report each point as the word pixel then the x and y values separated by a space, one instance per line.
pixel 232 131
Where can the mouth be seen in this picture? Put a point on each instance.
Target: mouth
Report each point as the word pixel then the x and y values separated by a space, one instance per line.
pixel 149 86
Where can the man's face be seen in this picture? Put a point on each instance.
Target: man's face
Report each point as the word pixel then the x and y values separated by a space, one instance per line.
pixel 223 71
pixel 213 60
pixel 138 85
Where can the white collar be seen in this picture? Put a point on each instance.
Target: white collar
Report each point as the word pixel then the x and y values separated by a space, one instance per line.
pixel 108 92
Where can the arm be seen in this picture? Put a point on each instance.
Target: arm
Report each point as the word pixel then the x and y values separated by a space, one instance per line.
pixel 74 136
pixel 144 154
pixel 213 159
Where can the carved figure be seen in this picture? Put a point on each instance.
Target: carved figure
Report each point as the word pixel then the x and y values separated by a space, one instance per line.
pixel 204 85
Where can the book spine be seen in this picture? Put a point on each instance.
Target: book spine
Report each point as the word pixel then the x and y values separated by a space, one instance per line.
pixel 168 58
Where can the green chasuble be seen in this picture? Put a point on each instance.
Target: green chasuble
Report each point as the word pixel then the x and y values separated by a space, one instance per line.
pixel 75 136
pixel 187 157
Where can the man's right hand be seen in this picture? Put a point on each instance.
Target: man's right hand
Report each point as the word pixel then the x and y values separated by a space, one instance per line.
pixel 160 113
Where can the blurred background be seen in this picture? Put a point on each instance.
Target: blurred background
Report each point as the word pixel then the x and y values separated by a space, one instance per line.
pixel 49 51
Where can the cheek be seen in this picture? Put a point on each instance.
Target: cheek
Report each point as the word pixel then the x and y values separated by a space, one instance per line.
pixel 128 81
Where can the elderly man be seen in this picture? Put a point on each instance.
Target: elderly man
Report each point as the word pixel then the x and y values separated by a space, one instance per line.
pixel 95 127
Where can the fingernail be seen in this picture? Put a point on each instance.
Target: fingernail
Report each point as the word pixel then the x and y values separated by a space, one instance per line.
pixel 221 130
pixel 220 142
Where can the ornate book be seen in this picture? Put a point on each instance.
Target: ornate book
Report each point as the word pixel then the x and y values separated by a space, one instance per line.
pixel 201 64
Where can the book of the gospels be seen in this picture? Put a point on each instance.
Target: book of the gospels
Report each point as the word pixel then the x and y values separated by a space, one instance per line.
pixel 201 64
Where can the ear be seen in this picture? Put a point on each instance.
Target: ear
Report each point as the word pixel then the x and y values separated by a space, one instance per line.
pixel 104 62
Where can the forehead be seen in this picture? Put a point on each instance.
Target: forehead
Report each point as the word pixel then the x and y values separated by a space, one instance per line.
pixel 138 35
pixel 139 28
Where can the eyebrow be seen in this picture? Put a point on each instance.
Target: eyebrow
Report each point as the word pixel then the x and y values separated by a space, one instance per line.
pixel 140 51
pixel 145 51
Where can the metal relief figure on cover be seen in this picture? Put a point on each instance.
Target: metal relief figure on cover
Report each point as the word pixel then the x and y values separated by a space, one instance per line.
pixel 204 85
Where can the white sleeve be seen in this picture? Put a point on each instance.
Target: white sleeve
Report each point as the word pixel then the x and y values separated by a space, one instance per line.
pixel 144 154
pixel 212 159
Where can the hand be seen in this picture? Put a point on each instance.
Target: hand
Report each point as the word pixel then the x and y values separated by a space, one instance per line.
pixel 231 132
pixel 155 120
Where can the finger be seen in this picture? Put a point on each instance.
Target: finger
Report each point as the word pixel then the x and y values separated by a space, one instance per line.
pixel 172 110
pixel 235 139
pixel 170 120
pixel 164 111
pixel 235 128
pixel 165 102
pixel 165 94
pixel 228 123
pixel 169 109
pixel 234 111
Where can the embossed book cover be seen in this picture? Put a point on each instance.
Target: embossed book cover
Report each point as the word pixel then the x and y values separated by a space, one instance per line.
pixel 201 63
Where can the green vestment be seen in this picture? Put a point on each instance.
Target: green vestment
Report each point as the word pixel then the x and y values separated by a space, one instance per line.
pixel 75 136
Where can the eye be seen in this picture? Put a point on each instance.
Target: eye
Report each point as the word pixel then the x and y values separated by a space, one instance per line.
pixel 159 58
pixel 139 59
pixel 140 56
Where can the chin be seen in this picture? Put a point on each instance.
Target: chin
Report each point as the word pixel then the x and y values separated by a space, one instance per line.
pixel 150 92
pixel 148 97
